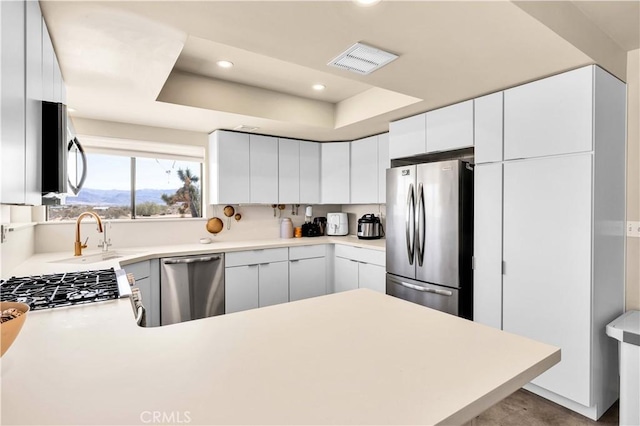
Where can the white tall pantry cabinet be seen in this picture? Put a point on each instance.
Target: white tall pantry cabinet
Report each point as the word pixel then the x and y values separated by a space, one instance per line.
pixel 549 226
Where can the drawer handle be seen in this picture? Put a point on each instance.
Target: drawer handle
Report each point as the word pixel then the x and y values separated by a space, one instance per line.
pixel 294 260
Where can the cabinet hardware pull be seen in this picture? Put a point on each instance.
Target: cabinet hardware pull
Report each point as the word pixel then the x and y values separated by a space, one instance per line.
pixel 426 289
pixel 190 260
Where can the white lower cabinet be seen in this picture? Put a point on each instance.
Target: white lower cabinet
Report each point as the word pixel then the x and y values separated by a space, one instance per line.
pixel 359 268
pixel 255 278
pixel 255 286
pixel 241 291
pixel 307 278
pixel 372 277
pixel 147 279
pixel 273 283
pixel 346 274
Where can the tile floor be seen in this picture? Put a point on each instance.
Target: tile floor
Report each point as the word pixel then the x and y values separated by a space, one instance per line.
pixel 524 408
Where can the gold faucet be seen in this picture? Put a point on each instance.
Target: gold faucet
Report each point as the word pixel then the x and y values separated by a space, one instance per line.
pixel 79 246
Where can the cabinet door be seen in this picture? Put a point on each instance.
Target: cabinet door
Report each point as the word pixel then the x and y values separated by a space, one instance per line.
pixel 383 165
pixel 549 116
pixel 57 80
pixel 33 105
pixel 47 64
pixel 487 244
pixel 488 128
pixel 263 169
pixel 274 283
pixel 288 171
pixel 372 277
pixel 307 278
pixel 450 127
pixel 408 137
pixel 229 167
pixel 335 173
pixel 12 131
pixel 309 172
pixel 240 288
pixel 364 171
pixel 346 274
pixel 547 253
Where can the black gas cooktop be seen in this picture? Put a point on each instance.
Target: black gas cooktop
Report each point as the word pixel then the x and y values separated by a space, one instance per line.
pixel 56 290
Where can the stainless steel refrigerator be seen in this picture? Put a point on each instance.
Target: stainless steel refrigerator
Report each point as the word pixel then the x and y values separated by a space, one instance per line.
pixel 430 235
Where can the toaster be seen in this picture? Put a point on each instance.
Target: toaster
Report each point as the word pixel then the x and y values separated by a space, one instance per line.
pixel 337 224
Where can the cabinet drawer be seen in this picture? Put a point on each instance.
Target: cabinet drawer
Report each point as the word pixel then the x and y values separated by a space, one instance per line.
pixel 307 252
pixel 254 257
pixel 139 270
pixel 375 257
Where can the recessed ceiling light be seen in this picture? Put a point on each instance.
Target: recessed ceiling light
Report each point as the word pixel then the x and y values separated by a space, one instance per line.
pixel 224 64
pixel 367 2
pixel 319 87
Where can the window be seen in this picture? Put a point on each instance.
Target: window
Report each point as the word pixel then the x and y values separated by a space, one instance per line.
pixel 161 188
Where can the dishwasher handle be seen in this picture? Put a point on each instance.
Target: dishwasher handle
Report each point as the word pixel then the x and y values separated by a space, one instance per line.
pixel 190 260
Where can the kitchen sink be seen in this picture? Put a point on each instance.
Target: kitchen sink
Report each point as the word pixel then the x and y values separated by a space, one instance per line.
pixel 94 258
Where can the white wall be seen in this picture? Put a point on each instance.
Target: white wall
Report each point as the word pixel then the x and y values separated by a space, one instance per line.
pixel 633 177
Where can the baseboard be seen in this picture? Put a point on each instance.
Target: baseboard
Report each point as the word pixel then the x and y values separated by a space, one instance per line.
pixel 594 412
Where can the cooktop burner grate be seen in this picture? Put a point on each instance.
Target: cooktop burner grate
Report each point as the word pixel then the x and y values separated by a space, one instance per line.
pixel 56 290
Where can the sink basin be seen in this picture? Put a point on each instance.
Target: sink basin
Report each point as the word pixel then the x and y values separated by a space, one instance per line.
pixel 94 258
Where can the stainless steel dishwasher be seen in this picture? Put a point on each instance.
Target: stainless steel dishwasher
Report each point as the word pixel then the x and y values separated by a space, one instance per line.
pixel 191 287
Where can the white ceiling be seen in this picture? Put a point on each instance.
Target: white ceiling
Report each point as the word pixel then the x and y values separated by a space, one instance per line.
pixel 152 63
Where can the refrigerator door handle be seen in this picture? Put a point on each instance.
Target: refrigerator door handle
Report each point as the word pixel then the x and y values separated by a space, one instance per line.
pixel 410 211
pixel 420 220
pixel 426 289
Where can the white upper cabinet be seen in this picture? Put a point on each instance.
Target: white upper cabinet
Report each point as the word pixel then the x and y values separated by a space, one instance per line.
pixel 550 116
pixel 309 172
pixel 47 65
pixel 334 172
pixel 488 128
pixel 364 171
pixel 450 127
pixel 383 165
pixel 228 167
pixel 12 131
pixel 33 104
pixel 408 137
pixel 263 169
pixel 288 171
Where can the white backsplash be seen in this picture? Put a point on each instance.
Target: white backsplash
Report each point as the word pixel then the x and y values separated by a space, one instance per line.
pixel 257 223
pixel 356 211
pixel 17 248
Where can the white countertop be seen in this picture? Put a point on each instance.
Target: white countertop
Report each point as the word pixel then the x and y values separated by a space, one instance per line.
pixel 47 263
pixel 357 357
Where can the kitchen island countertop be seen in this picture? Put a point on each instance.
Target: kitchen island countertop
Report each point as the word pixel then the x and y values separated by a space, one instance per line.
pixel 357 357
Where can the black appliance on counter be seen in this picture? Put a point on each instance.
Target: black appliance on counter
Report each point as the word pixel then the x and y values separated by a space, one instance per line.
pixel 322 223
pixel 370 227
pixel 71 288
pixel 311 230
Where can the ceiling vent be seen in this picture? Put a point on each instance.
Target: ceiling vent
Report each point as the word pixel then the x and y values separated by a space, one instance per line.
pixel 245 128
pixel 362 59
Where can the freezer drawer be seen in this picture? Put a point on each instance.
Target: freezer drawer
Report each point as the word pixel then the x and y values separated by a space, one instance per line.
pixel 444 299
